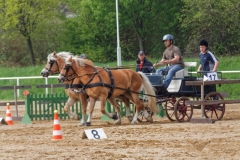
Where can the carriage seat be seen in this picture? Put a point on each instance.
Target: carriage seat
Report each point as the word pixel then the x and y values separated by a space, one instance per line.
pixel 184 72
pixel 175 84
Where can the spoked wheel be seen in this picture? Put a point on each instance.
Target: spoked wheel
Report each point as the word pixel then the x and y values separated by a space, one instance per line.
pixel 183 112
pixel 169 108
pixel 214 111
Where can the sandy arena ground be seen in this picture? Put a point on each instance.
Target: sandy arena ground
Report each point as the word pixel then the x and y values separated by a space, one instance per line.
pixel 160 140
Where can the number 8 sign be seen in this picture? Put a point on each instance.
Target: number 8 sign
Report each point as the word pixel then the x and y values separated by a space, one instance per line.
pixel 96 134
pixel 212 76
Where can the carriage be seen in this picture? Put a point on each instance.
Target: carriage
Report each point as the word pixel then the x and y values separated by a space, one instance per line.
pixel 125 84
pixel 174 101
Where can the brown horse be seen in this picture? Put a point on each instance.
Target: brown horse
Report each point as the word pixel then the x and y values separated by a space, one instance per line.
pixel 53 66
pixel 106 85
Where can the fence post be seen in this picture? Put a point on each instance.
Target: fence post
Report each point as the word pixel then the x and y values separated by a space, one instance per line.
pixel 15 98
pixel 52 89
pixel 26 118
pixel 162 112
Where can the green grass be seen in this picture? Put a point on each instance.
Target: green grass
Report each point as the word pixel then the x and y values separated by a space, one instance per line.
pixel 226 64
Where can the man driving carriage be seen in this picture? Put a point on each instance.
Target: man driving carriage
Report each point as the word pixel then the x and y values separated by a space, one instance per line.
pixel 172 58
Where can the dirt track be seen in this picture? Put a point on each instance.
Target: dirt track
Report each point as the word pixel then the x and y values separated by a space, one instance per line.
pixel 160 140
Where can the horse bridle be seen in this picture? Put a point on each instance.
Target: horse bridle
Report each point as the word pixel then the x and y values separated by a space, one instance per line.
pixel 51 62
pixel 65 75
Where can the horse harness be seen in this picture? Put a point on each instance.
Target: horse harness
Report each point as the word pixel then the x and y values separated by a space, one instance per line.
pixel 88 85
pixel 82 86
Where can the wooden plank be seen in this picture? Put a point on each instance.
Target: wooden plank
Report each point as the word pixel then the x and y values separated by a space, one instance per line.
pixel 12 87
pixel 209 102
pixel 223 81
pixel 12 103
pixel 50 85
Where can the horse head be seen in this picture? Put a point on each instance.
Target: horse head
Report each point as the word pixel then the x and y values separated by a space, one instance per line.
pixel 54 63
pixel 75 66
pixel 66 71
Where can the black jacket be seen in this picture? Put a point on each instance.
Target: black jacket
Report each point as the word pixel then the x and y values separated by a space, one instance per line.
pixel 146 68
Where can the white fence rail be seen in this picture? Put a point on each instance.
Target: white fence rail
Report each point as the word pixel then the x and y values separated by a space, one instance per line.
pixel 46 79
pixel 32 77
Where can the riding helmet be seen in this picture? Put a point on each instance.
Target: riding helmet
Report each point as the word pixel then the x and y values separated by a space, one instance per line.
pixel 167 37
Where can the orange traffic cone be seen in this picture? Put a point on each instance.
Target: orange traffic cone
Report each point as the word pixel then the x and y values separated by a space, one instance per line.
pixel 57 134
pixel 8 116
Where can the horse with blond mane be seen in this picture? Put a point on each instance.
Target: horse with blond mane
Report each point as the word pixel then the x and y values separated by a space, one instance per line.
pixel 104 84
pixel 55 62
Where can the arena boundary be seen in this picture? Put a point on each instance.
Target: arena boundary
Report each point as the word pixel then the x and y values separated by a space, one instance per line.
pixel 42 106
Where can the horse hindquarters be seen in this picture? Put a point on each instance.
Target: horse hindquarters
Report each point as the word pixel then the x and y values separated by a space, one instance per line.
pixel 148 89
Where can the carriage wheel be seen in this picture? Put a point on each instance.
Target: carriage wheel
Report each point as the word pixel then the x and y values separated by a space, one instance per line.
pixel 214 111
pixel 183 112
pixel 169 108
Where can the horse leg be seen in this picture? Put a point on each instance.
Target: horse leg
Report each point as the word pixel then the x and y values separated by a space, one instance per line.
pixel 92 105
pixel 83 99
pixel 103 102
pixel 129 97
pixel 67 106
pixel 127 105
pixel 146 115
pixel 117 107
pixel 138 107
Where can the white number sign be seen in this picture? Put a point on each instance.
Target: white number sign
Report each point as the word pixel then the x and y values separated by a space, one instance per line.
pixel 96 134
pixel 212 76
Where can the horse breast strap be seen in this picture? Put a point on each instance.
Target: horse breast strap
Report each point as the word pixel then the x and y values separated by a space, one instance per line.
pixel 111 86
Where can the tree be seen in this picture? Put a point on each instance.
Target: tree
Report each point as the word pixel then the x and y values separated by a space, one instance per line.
pixel 24 17
pixel 150 20
pixel 142 23
pixel 92 29
pixel 217 21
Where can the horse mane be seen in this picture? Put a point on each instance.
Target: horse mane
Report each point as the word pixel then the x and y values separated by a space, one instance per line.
pixel 64 55
pixel 82 62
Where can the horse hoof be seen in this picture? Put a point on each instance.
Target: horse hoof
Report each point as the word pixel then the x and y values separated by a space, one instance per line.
pixel 133 122
pixel 88 124
pixel 130 118
pixel 139 120
pixel 115 117
pixel 117 122
pixel 150 119
pixel 81 124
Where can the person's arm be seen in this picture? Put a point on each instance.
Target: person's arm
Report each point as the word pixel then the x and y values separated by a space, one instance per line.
pixel 199 68
pixel 173 61
pixel 215 66
pixel 150 67
pixel 159 63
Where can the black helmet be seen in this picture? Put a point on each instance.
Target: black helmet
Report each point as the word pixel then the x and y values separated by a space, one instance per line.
pixel 203 43
pixel 167 37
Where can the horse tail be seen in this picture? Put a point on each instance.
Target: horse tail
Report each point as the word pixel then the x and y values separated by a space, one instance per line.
pixel 148 89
